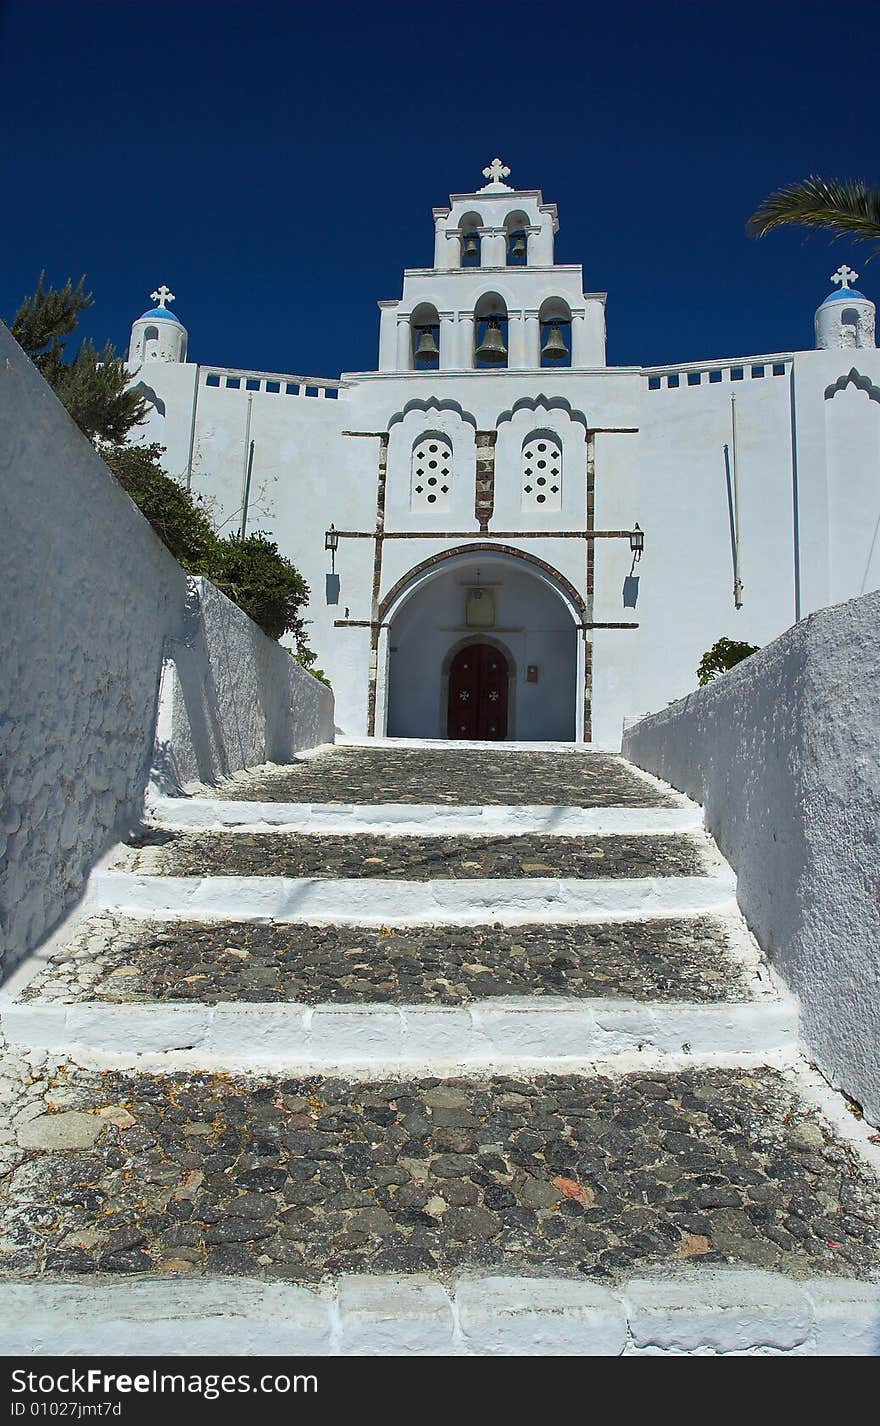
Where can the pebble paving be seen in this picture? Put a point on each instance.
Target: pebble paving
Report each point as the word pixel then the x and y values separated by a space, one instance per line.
pixel 299 1179
pixel 111 1173
pixel 659 959
pixel 413 858
pixel 453 775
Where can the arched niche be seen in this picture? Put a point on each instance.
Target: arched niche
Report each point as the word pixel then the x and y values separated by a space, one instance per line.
pixel 431 472
pixel 541 463
pixel 425 337
pixel 490 316
pixel 470 240
pixel 543 421
pixel 554 317
pixel 852 472
pixel 407 507
pixel 516 226
pixel 537 621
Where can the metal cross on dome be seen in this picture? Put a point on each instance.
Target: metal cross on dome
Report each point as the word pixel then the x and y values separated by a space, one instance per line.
pixel 496 172
pixel 844 277
pixel 163 295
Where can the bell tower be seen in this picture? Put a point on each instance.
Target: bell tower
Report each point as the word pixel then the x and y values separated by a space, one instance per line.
pixel 846 318
pixel 158 335
pixel 495 299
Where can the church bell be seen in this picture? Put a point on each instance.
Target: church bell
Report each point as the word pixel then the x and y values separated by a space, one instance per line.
pixel 471 247
pixel 554 349
pixel 492 348
pixel 426 350
pixel 518 246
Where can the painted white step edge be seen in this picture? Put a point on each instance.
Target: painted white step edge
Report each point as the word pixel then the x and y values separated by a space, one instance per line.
pixel 460 745
pixel 371 901
pixel 701 1311
pixel 401 819
pixel 502 1032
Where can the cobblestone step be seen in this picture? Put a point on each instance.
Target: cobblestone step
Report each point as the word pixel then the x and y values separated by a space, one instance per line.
pixel 587 1178
pixel 568 776
pixel 706 958
pixel 158 852
pixel 344 1063
pixel 257 994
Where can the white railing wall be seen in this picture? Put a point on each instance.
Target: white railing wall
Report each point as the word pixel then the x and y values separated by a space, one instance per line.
pixel 271 383
pixel 686 375
pixel 782 754
pixel 93 606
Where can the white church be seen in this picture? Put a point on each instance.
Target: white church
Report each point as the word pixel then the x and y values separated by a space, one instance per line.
pixel 504 537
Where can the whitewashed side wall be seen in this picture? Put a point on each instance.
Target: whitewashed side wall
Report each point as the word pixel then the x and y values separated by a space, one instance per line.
pixel 92 603
pixel 782 754
pixel 231 698
pixel 90 596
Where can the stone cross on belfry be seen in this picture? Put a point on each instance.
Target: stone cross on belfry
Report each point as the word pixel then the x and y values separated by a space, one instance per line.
pixel 496 171
pixel 844 277
pixel 163 295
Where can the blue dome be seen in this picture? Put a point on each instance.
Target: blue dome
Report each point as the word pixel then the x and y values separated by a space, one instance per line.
pixel 161 313
pixel 843 296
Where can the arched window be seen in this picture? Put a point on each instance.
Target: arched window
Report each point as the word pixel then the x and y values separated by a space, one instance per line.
pixel 849 322
pixel 425 337
pixel 555 319
pixel 151 341
pixel 490 331
pixel 470 242
pixel 516 230
pixel 542 471
pixel 431 473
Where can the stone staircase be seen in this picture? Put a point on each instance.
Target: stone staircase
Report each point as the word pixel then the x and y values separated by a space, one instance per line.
pixel 435 1049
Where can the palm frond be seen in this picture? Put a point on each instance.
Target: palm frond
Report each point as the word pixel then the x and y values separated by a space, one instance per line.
pixel 850 209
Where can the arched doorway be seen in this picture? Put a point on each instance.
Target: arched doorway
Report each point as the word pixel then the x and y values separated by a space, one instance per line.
pixel 477 699
pixel 527 614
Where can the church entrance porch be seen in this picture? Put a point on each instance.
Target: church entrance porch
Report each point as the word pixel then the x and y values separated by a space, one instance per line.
pixel 477 705
pixel 481 644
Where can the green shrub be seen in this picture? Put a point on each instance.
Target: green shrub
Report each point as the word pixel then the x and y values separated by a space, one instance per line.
pixel 260 581
pixel 724 654
pixel 176 515
pixel 306 659
pixel 95 386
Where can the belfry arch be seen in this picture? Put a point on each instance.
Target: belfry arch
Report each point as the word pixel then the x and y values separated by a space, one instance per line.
pixel 482 595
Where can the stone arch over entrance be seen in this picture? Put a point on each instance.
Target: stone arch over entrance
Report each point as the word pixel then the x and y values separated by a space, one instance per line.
pixel 565 586
pixel 529 612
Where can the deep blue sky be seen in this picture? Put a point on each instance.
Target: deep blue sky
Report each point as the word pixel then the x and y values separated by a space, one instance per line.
pixel 276 163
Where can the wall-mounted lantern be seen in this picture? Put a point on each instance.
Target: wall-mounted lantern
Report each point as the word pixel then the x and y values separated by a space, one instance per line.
pixel 636 541
pixel 331 543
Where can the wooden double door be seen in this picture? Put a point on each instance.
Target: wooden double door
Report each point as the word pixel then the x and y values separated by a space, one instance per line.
pixel 477 694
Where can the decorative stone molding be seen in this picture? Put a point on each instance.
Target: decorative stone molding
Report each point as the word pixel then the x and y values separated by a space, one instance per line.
pixel 479 547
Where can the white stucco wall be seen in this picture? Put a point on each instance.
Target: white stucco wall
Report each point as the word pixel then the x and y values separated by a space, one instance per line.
pixel 658 442
pixel 231 698
pixel 852 424
pixel 782 754
pixel 90 595
pixel 92 603
pixel 808 438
